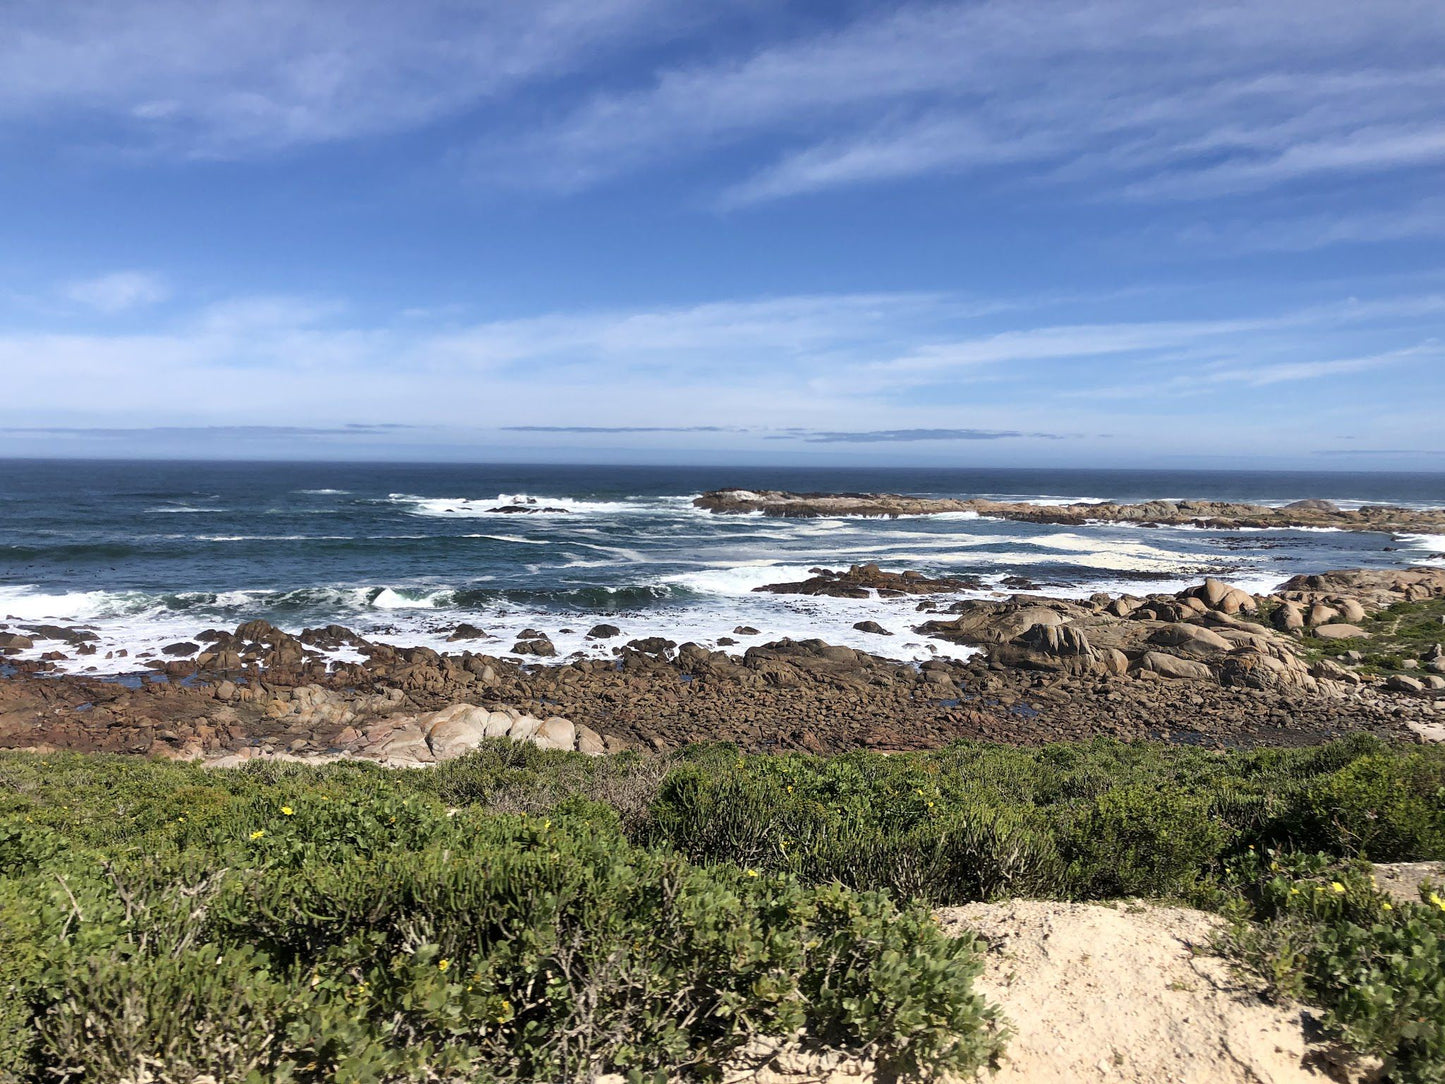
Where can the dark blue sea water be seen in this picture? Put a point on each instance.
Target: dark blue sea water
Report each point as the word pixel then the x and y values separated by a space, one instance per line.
pixel 148 553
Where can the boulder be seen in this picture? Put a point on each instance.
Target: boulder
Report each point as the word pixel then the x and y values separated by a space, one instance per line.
pixel 1171 666
pixel 603 632
pixel 984 622
pixel 524 728
pixel 1288 618
pixel 499 724
pixel 555 733
pixel 1351 610
pixel 871 627
pixel 13 641
pixel 541 647
pixel 405 745
pixel 455 730
pixel 590 742
pixel 466 632
pixel 1399 683
pixel 1339 631
pixel 1192 640
pixel 1112 660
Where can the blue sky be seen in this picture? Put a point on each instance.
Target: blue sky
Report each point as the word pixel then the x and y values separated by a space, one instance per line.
pixel 1063 232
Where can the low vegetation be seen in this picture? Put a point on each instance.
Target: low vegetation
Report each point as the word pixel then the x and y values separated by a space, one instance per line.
pixel 519 915
pixel 1323 933
pixel 1397 638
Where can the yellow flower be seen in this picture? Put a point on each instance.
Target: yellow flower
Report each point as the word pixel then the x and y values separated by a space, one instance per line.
pixel 1437 901
pixel 1386 907
pixel 1294 891
pixel 286 811
pixel 754 873
pixel 1337 888
pixel 258 833
pixel 442 965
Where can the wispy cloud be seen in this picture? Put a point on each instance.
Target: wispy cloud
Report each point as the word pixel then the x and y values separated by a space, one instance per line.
pixel 908 436
pixel 118 291
pixel 235 78
pixel 1130 97
pixel 846 369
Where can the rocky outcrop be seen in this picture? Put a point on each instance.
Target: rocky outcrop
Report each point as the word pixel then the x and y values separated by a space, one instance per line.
pixel 1210 514
pixel 866 581
pixel 1356 592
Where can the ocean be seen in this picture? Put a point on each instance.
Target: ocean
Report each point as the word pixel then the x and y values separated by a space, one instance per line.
pixel 149 553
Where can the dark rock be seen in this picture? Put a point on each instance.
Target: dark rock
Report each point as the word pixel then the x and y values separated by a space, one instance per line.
pixel 651 645
pixel 603 632
pixel 466 632
pixel 180 650
pixel 871 626
pixel 861 581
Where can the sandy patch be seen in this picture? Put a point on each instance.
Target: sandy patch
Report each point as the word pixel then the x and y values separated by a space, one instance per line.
pixel 1402 880
pixel 1130 992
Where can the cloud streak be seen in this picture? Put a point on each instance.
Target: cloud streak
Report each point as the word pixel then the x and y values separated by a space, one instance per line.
pixel 241 78
pixel 1139 99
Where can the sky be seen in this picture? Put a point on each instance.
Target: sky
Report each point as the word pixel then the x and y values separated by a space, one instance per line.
pixel 1031 232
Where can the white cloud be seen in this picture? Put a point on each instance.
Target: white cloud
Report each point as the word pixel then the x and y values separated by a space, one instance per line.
pixel 119 291
pixel 860 362
pixel 1163 100
pixel 231 78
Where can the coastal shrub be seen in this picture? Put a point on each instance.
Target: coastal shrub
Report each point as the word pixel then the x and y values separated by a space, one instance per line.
pixel 1095 820
pixel 322 925
pixel 1321 932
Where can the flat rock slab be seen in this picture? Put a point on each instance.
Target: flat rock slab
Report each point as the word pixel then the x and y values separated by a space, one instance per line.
pixel 1402 880
pixel 1130 992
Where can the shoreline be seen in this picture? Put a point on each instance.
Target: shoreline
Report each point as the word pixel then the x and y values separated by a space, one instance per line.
pixel 1205 514
pixel 1212 666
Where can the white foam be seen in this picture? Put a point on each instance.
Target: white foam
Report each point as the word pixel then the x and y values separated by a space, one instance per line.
pixel 470 507
pixel 1433 544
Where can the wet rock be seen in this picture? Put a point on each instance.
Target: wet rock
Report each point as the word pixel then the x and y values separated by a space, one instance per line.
pixel 72 636
pixel 603 632
pixel 872 627
pixel 745 630
pixel 13 641
pixel 466 632
pixel 651 645
pixel 863 581
pixel 180 650
pixel 540 646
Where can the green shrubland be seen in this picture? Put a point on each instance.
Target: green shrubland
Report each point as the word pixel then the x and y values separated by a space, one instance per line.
pixel 519 914
pixel 1323 933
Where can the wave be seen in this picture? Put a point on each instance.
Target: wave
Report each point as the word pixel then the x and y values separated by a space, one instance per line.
pixel 467 507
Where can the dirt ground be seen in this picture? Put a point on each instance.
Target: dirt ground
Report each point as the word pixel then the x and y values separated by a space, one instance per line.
pixel 1126 993
pixel 1131 992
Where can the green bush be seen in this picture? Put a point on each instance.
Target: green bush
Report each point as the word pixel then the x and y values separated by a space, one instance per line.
pixel 1323 933
pixel 326 926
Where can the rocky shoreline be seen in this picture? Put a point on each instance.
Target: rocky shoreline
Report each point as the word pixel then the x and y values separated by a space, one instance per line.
pixel 1205 514
pixel 1212 665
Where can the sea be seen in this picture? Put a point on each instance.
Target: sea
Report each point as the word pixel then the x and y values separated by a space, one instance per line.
pixel 147 554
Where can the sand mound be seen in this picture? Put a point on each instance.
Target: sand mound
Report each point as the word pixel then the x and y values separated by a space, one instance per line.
pixel 1130 992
